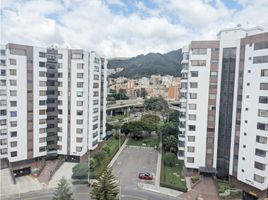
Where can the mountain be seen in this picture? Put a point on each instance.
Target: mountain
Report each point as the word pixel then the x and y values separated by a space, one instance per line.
pixel 146 65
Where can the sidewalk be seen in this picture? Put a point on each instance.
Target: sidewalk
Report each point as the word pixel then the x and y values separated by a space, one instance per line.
pixel 159 189
pixel 118 153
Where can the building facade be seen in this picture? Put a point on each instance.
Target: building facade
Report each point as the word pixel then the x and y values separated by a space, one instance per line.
pixel 53 102
pixel 224 108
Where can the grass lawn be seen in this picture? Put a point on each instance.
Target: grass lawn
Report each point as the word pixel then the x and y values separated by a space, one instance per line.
pixel 150 142
pixel 171 177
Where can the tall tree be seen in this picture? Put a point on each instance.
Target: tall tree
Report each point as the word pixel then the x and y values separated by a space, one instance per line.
pixel 170 143
pixel 62 191
pixel 106 187
pixel 157 104
pixel 150 122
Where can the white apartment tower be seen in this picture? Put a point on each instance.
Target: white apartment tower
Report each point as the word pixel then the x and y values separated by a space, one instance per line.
pixel 53 102
pixel 224 108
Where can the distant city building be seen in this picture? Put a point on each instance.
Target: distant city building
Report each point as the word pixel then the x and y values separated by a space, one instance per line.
pixel 224 108
pixel 166 86
pixel 53 102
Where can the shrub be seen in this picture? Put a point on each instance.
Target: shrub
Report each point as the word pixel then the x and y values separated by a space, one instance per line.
pixel 194 179
pixel 100 155
pixel 106 149
pixel 92 163
pixel 170 159
pixel 80 170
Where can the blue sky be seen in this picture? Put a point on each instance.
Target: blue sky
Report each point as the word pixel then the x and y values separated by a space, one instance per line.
pixel 118 28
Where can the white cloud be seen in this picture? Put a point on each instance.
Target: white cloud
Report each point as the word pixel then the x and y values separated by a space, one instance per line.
pixel 93 26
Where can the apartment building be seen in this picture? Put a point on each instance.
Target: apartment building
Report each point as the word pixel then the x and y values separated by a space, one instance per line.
pixel 224 108
pixel 53 102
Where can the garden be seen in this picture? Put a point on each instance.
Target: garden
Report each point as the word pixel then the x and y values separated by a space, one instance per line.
pixel 99 159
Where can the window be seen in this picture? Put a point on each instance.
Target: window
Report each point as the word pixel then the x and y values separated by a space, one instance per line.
pixel 191 138
pixel 3 122
pixel 3 112
pixel 95 118
pixel 3 151
pixel 13 124
pixel 3 63
pixel 95 85
pixel 12 61
pixel 211 118
pixel 259 166
pixel 42 93
pixel 80 84
pixel 96 77
pixel 13 114
pixel 190 149
pixel 190 159
pixel 212 96
pixel 95 93
pixel 3 103
pixel 258 178
pixel 96 110
pixel 96 60
pixel 213 73
pixel 262 126
pixel 213 85
pixel 95 102
pixel 13 144
pixel 193 95
pixel 95 142
pixel 79 112
pixel 79 140
pixel 79 94
pixel 42 139
pixel 194 73
pixel 42 74
pixel 77 56
pixel 199 51
pixel 80 66
pixel 42 64
pixel 261 139
pixel 260 59
pixel 263 86
pixel 42 149
pixel 42 54
pixel 95 126
pixel 42 130
pixel 96 69
pixel 3 141
pixel 13 93
pixel 261 45
pixel 193 85
pixel 59 56
pixel 263 99
pixel 3 83
pixel 198 62
pixel 3 52
pixel 13 82
pixel 192 106
pixel 3 72
pixel 42 121
pixel 263 113
pixel 79 130
pixel 264 72
pixel 191 127
pixel 13 153
pixel 192 117
pixel 79 121
pixel 79 103
pixel 80 75
pixel 13 72
pixel 42 102
pixel 259 152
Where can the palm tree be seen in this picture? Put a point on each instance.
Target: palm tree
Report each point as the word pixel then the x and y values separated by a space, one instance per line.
pixel 106 187
pixel 62 191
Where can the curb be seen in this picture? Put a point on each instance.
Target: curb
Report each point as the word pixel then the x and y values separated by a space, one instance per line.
pixel 118 153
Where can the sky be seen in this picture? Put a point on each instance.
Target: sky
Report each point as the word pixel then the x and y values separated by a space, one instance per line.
pixel 124 28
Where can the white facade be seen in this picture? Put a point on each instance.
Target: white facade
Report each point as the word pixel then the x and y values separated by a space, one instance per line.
pixel 80 102
pixel 248 141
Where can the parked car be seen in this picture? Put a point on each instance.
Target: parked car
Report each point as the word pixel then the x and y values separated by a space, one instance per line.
pixel 145 176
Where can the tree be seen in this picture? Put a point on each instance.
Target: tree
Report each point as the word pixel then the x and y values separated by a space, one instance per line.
pixel 62 191
pixel 80 170
pixel 167 129
pixel 136 128
pixel 170 159
pixel 150 122
pixel 105 188
pixel 109 127
pixel 174 117
pixel 170 143
pixel 125 129
pixel 143 93
pixel 157 104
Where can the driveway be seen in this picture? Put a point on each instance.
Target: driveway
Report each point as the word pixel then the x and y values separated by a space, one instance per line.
pixel 131 162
